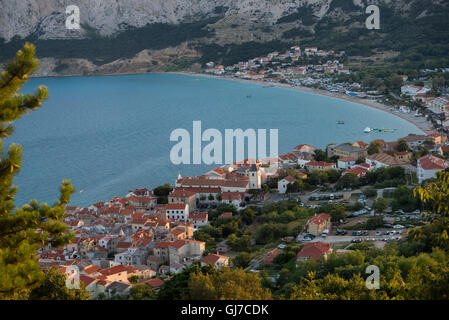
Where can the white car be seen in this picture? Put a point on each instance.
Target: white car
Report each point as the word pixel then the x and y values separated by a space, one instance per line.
pixel 398 226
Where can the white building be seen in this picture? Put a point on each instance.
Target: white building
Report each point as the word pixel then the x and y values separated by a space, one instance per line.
pixel 178 211
pixel 428 166
pixel 282 184
pixel 439 105
pixel 346 162
pixel 412 90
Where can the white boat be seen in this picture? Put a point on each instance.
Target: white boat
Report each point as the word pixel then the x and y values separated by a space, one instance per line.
pixel 367 130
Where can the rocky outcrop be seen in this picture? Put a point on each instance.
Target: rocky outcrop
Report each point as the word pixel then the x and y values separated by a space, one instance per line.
pixel 46 18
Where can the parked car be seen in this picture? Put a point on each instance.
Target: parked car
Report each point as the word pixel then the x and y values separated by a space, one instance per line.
pixel 416 212
pixel 354 233
pixel 398 226
pixel 378 233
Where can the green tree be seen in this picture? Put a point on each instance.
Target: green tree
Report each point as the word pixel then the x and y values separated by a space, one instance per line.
pixel 374 223
pixel 374 147
pixel 436 194
pixel 320 155
pixel 53 287
pixel 241 260
pixel 134 279
pixel 380 205
pixel 227 284
pixel 402 146
pixel 142 292
pixel 23 230
pixel 162 193
pixel 248 216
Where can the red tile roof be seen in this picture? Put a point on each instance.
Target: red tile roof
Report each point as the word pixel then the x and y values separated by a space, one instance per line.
pixel 155 282
pixel 357 171
pixel 430 162
pixel 319 164
pixel 91 269
pixel 226 215
pixel 86 280
pixel 320 218
pixel 212 258
pixel 314 250
pixel 113 270
pixel 176 206
pixel 347 159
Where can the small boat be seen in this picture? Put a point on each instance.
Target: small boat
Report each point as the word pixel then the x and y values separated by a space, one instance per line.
pixel 82 190
pixel 367 130
pixel 249 95
pixel 341 122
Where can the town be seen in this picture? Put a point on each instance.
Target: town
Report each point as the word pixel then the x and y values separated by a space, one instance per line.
pixel 334 200
pixel 423 95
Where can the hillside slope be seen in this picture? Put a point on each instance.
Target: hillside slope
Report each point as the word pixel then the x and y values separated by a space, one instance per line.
pixel 159 35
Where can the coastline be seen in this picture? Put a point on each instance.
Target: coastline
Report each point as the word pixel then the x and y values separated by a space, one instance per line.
pixel 419 122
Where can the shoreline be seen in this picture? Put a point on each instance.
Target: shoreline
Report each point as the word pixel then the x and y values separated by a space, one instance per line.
pixel 421 125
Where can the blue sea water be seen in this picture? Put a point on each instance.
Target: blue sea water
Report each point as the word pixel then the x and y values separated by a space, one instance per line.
pixel 110 134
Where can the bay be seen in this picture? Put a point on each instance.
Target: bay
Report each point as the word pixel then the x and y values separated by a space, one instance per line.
pixel 110 134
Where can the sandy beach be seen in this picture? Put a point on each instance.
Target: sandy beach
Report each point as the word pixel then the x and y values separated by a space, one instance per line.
pixel 420 122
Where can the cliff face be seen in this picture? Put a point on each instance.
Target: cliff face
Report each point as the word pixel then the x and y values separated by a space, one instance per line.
pixel 46 18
